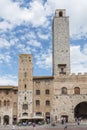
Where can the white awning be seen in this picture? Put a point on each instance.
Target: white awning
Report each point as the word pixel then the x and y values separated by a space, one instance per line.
pixel 38 117
pixel 35 117
pixel 25 117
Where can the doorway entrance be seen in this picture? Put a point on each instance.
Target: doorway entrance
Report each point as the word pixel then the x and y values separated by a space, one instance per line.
pixel 64 118
pixel 80 110
pixel 6 119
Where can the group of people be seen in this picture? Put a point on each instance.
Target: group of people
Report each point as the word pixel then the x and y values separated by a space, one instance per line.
pixel 64 122
pixel 34 126
pixel 13 127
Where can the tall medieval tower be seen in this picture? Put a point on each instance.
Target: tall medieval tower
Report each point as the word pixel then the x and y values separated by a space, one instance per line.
pixel 61 48
pixel 25 87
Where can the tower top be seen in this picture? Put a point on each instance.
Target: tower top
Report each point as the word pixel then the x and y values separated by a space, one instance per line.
pixel 61 43
pixel 60 13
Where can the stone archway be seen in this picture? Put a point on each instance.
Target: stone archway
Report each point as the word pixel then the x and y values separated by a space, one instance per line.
pixel 47 116
pixel 80 110
pixel 6 119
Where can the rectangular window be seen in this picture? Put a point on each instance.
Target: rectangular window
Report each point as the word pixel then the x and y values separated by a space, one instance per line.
pixel 37 103
pixel 47 91
pixel 37 92
pixel 62 68
pixel 47 103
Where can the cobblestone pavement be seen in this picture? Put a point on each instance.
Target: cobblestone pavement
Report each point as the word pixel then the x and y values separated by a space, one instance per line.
pixel 47 127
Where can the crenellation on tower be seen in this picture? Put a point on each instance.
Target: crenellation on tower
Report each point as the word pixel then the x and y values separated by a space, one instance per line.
pixel 60 13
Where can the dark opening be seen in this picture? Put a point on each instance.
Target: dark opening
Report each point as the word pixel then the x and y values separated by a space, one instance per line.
pixel 80 110
pixel 60 14
pixel 47 114
pixel 65 118
pixel 6 119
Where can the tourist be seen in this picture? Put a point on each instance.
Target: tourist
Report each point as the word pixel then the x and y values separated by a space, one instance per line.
pixel 13 127
pixel 34 126
pixel 65 126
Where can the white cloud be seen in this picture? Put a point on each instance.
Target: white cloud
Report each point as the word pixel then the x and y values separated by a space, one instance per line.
pixel 44 60
pixel 5 44
pixel 38 15
pixel 30 35
pixel 78 59
pixel 76 10
pixel 34 43
pixel 5 58
pixel 8 80
pixel 38 12
pixel 4 25
pixel 43 36
pixel 14 14
pixel 23 49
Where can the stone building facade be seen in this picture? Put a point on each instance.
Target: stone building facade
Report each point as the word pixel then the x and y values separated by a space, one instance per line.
pixel 49 98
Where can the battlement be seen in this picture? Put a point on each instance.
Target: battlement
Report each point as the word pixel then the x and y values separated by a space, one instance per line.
pixel 74 75
pixel 79 74
pixel 60 13
pixel 25 55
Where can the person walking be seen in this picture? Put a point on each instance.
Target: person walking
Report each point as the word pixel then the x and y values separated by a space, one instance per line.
pixel 65 126
pixel 13 127
pixel 34 126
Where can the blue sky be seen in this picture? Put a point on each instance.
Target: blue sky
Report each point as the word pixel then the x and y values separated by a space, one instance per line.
pixel 26 27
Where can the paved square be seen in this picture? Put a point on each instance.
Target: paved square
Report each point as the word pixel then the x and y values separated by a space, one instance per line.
pixel 47 127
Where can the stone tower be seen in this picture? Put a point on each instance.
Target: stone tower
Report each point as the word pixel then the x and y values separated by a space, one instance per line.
pixel 61 48
pixel 25 87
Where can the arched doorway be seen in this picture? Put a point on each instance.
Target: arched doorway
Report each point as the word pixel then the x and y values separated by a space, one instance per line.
pixel 64 118
pixel 80 110
pixel 47 115
pixel 14 119
pixel 6 119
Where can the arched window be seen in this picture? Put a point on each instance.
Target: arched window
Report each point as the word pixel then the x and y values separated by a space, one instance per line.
pixel 47 103
pixel 37 92
pixel 64 90
pixel 76 90
pixel 60 14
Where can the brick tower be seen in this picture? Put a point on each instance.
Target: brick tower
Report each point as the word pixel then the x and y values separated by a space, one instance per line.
pixel 61 48
pixel 25 88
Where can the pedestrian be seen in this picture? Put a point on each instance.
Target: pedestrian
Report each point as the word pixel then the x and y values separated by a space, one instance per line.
pixel 13 127
pixel 34 126
pixel 65 126
pixel 78 122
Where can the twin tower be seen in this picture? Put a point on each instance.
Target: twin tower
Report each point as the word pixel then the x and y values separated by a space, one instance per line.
pixel 60 61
